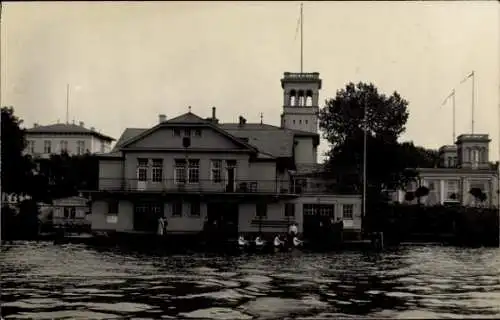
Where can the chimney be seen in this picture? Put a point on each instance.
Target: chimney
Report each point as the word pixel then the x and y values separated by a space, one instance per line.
pixel 162 118
pixel 82 124
pixel 242 121
pixel 92 129
pixel 213 114
pixel 35 125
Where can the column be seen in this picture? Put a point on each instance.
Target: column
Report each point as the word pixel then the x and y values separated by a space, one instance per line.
pixel 441 193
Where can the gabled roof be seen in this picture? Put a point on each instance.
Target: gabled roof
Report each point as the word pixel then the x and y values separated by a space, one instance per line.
pixel 273 140
pixel 188 118
pixel 61 128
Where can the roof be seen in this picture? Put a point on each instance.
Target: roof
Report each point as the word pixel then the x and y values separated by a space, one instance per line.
pixel 190 118
pixel 67 128
pixel 269 139
pixel 266 138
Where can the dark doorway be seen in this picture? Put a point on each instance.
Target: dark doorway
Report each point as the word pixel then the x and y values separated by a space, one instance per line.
pixel 223 217
pixel 314 214
pixel 146 215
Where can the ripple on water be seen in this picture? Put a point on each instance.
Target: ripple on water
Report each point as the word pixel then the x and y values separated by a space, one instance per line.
pixel 121 307
pixel 43 281
pixel 272 307
pixel 216 313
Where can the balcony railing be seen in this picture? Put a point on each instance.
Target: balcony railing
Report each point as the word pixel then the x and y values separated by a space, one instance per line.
pixel 250 186
pixel 301 75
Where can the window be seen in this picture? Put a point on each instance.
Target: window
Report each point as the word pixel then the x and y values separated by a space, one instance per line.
pixel 31 146
pixel 452 190
pixel 326 210
pixel 177 132
pixel 180 171
pixel 289 209
pixel 261 209
pixel 300 121
pixel 216 173
pixel 157 170
pixel 194 171
pixel 306 121
pixel 187 132
pixel 113 206
pixel 308 209
pixel 347 211
pixel 142 169
pixel 312 209
pixel 195 209
pixel 69 212
pixel 197 132
pixel 293 121
pixel 47 146
pixel 63 146
pixel 80 147
pixel 177 209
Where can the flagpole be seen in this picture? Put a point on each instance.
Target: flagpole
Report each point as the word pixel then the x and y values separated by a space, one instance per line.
pixel 67 103
pixel 473 98
pixel 453 101
pixel 301 38
pixel 365 120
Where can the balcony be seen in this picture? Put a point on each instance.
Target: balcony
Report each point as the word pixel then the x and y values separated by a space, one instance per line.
pixel 247 186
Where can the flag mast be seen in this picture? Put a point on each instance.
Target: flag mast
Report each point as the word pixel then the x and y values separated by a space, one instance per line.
pixel 67 103
pixel 301 38
pixel 473 76
pixel 452 96
pixel 473 98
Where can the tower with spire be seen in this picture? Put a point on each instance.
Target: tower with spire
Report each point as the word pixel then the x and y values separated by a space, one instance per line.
pixel 301 94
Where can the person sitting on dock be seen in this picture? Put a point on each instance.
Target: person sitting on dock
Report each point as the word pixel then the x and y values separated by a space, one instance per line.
pixel 297 242
pixel 259 242
pixel 277 241
pixel 242 242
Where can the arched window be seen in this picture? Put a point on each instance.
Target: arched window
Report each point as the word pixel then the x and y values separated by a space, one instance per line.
pixel 309 97
pixel 302 98
pixel 293 98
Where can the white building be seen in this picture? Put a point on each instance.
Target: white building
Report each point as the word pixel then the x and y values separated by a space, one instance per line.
pixel 75 139
pixel 253 176
pixel 463 166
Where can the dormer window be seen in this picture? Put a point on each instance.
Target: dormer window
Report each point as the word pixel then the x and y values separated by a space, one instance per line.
pixel 177 132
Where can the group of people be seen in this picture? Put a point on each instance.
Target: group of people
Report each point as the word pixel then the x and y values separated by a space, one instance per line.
pixel 280 242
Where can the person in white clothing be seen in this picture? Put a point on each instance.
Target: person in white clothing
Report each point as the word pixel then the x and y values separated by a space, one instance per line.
pixel 277 241
pixel 259 242
pixel 161 226
pixel 296 242
pixel 242 242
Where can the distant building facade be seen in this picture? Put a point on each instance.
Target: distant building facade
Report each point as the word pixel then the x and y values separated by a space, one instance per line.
pixel 42 141
pixel 463 166
pixel 253 177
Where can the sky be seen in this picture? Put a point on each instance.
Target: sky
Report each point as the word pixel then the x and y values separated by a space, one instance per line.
pixel 127 62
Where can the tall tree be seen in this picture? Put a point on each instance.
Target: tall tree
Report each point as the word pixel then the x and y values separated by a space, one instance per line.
pixel 342 123
pixel 16 168
pixel 342 117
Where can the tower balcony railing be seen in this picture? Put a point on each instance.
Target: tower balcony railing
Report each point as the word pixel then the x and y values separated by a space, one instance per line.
pixel 301 75
pixel 242 186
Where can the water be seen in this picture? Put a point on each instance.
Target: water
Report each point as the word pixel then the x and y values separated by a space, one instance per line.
pixel 47 281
